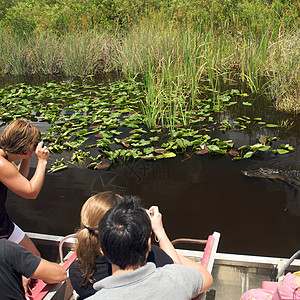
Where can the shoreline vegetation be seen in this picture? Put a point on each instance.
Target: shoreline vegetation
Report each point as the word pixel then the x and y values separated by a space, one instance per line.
pixel 179 49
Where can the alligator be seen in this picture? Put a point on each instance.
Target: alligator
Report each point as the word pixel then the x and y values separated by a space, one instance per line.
pixel 288 176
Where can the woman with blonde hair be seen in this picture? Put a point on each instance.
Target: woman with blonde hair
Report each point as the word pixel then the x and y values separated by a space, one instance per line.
pixel 91 265
pixel 18 141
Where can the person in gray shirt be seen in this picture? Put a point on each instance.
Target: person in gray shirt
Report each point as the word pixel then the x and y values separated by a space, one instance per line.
pixel 125 238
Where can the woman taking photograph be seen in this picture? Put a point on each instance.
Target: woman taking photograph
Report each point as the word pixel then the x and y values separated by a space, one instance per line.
pixel 91 265
pixel 19 141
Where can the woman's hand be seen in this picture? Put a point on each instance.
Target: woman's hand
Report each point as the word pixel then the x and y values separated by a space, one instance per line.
pixel 41 152
pixel 156 220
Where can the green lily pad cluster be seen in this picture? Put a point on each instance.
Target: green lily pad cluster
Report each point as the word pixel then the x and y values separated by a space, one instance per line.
pixel 83 117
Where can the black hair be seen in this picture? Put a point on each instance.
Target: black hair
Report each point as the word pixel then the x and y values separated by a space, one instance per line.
pixel 124 232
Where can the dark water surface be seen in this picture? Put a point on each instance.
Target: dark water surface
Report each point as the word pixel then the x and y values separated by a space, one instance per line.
pixel 196 195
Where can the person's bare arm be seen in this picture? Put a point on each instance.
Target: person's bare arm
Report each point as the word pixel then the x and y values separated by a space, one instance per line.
pixel 207 278
pixel 163 240
pixel 17 183
pixel 49 272
pixel 24 166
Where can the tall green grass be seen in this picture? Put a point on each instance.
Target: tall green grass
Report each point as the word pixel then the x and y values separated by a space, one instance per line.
pixel 75 54
pixel 85 52
pixel 13 55
pixel 284 57
pixel 45 53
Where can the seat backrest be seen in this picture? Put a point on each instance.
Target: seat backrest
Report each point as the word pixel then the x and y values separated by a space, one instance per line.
pixel 41 289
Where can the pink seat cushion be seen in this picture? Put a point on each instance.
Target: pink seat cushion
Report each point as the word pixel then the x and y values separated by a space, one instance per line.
pixel 269 285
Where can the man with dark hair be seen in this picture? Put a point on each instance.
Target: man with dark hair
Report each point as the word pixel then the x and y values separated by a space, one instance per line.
pixel 125 238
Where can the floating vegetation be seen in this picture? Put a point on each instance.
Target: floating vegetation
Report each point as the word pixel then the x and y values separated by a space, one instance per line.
pixel 58 165
pixel 104 125
pixel 285 148
pixel 79 157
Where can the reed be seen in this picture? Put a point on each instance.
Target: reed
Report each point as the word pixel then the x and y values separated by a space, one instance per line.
pixel 285 73
pixel 85 53
pixel 152 105
pixel 45 53
pixel 175 57
pixel 14 55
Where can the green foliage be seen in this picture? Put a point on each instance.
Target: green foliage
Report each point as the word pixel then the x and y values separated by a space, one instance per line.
pixel 61 16
pixel 27 16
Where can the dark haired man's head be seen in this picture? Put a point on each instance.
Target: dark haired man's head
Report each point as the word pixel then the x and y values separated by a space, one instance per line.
pixel 124 233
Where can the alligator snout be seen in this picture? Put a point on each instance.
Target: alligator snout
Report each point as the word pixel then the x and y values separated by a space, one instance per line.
pixel 292 177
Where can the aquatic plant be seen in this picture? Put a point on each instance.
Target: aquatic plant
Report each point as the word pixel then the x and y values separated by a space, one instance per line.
pixel 58 165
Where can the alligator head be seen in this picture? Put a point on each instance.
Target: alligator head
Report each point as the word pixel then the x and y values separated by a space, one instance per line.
pixel 292 176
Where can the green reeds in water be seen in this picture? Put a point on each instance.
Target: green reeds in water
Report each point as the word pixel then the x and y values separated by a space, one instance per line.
pixel 172 62
pixel 285 84
pixel 45 51
pixel 84 53
pixel 152 105
pixel 13 55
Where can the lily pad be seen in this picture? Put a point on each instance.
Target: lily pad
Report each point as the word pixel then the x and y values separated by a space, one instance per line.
pixel 280 151
pixel 102 166
pixel 264 148
pixel 124 142
pixel 202 151
pixel 286 147
pixel 248 154
pixel 160 150
pixel 233 152
pixel 243 147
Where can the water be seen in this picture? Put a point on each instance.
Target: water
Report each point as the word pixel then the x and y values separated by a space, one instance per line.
pixel 196 195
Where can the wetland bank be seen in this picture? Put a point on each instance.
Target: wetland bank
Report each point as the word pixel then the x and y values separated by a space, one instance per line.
pixel 199 97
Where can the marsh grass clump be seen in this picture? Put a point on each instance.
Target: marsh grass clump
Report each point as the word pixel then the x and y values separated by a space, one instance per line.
pixel 14 58
pixel 285 83
pixel 85 52
pixel 46 57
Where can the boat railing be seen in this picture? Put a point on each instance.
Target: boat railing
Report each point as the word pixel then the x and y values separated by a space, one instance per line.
pixel 43 290
pixel 209 253
pixel 287 264
pixel 210 250
pixel 61 243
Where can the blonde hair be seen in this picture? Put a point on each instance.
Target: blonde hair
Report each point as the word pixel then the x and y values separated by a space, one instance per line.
pixel 88 246
pixel 18 137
